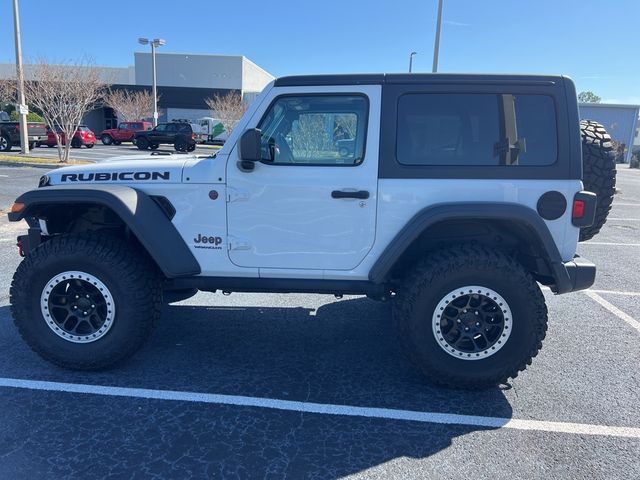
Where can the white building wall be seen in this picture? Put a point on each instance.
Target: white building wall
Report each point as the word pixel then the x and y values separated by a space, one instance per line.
pixel 254 78
pixel 188 70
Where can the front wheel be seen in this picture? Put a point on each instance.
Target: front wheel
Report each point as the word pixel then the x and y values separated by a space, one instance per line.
pixel 470 317
pixel 85 302
pixel 106 139
pixel 5 143
pixel 89 145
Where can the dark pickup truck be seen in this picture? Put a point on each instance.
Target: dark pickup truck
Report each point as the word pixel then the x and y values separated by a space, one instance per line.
pixel 10 133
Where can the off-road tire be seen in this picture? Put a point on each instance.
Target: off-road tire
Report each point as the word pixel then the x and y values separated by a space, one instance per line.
pixel 132 280
pixel 5 143
pixel 446 270
pixel 89 145
pixel 599 172
pixel 106 139
pixel 142 143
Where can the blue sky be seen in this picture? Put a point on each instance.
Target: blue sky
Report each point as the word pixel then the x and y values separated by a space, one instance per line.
pixel 595 42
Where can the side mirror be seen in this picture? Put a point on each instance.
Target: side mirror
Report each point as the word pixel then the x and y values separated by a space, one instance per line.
pixel 250 148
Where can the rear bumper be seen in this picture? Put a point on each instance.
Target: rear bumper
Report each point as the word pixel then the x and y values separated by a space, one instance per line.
pixel 577 274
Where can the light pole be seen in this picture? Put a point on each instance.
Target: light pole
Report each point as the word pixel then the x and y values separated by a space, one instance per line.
pixel 411 60
pixel 436 47
pixel 156 42
pixel 21 107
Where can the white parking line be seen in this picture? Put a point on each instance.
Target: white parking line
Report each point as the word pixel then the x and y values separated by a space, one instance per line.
pixel 612 244
pixel 625 219
pixel 327 409
pixel 616 292
pixel 616 204
pixel 613 309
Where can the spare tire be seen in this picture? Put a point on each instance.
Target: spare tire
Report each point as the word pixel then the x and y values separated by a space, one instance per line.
pixel 598 172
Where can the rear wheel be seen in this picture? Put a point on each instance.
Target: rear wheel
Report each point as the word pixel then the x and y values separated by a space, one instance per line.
pixel 106 139
pixel 599 172
pixel 85 302
pixel 191 148
pixel 142 143
pixel 5 143
pixel 470 317
pixel 181 145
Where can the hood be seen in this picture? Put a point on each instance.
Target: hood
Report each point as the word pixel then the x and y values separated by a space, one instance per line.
pixel 126 169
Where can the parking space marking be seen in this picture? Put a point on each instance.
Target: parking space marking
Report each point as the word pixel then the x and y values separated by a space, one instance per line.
pixel 625 219
pixel 612 244
pixel 616 292
pixel 326 409
pixel 613 309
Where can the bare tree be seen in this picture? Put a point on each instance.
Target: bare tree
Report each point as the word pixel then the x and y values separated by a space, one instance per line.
pixel 130 106
pixel 64 94
pixel 7 91
pixel 228 108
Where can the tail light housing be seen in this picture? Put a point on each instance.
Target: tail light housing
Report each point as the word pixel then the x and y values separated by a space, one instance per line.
pixel 583 211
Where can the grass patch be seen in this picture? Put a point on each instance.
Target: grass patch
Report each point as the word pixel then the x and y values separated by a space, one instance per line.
pixel 29 160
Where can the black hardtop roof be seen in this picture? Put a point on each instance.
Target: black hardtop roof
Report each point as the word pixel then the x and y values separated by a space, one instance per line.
pixel 415 78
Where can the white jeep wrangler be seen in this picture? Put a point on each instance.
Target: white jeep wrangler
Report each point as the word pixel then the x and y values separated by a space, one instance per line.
pixel 451 196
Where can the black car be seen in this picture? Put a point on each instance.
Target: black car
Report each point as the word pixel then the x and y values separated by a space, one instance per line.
pixel 182 135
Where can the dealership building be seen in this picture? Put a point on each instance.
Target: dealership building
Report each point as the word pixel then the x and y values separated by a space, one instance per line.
pixel 184 82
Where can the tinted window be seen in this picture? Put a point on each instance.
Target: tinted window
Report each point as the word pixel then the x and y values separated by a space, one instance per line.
pixel 476 129
pixel 171 127
pixel 161 128
pixel 315 130
pixel 123 126
pixel 184 128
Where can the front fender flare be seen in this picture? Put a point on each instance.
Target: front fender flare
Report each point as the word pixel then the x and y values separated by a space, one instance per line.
pixel 140 213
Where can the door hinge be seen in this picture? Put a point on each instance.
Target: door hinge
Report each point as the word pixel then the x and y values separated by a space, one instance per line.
pixel 234 194
pixel 235 243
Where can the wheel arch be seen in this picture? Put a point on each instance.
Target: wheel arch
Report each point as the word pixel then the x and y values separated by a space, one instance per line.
pixel 507 226
pixel 147 218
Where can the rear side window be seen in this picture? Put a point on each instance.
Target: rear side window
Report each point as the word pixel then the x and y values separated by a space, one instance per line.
pixel 442 129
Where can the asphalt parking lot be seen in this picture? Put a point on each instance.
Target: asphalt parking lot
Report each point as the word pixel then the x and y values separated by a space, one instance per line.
pixel 309 386
pixel 103 152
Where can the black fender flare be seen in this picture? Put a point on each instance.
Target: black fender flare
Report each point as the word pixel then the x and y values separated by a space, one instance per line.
pixel 429 216
pixel 142 215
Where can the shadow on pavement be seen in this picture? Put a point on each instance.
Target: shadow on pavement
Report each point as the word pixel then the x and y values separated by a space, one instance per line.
pixel 344 353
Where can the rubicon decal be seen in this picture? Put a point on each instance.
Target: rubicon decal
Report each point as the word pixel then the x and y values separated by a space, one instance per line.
pixel 209 242
pixel 114 176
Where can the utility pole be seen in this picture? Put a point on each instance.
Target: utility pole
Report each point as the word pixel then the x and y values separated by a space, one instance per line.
pixel 436 47
pixel 411 61
pixel 21 107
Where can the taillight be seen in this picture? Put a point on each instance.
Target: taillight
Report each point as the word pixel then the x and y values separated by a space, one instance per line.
pixel 17 128
pixel 578 209
pixel 193 136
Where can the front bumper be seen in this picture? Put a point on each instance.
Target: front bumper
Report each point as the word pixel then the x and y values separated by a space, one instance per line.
pixel 577 274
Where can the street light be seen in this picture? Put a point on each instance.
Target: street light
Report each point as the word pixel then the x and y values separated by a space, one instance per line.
pixel 411 60
pixel 436 46
pixel 156 42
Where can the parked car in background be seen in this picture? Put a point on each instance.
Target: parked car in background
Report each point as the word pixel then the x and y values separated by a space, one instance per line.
pixel 183 135
pixel 125 132
pixel 83 136
pixel 10 133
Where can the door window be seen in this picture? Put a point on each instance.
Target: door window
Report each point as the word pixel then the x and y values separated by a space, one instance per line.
pixel 315 130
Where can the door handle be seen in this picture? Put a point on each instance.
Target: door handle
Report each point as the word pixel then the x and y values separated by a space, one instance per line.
pixel 360 194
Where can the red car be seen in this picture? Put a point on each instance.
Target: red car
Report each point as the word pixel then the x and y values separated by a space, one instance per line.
pixel 124 133
pixel 83 136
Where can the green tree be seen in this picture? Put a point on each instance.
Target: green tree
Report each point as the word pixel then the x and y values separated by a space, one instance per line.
pixel 588 97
